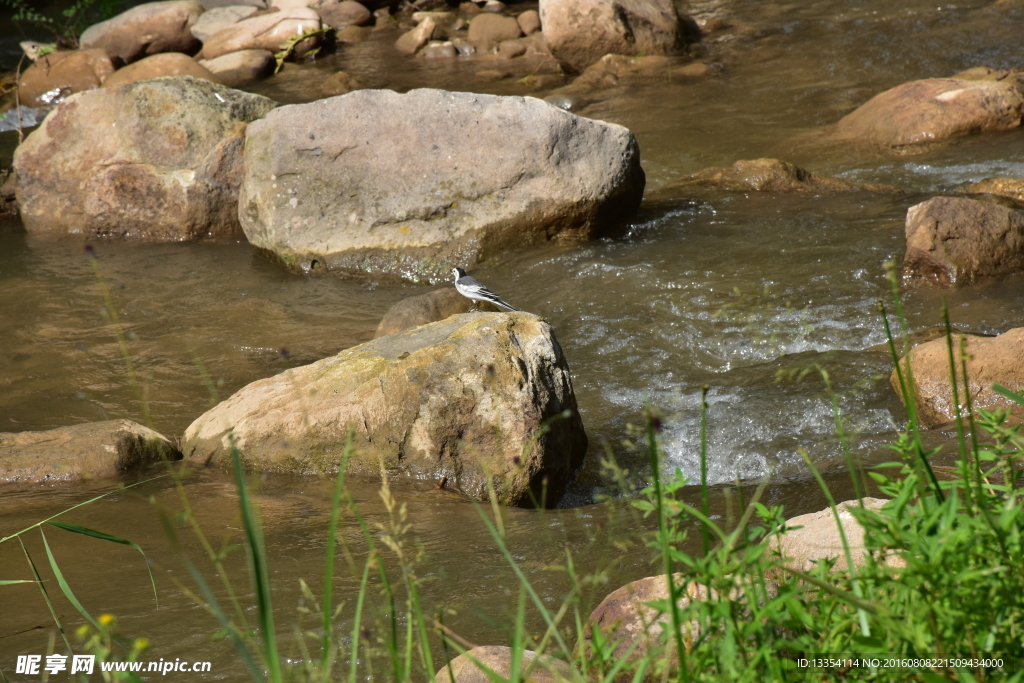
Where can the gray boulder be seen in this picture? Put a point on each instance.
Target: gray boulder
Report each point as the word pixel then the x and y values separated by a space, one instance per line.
pixel 413 184
pixel 460 399
pixel 157 160
pixel 103 450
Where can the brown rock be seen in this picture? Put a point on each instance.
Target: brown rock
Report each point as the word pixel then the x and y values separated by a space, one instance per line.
pixel 955 240
pixel 529 21
pixel 469 9
pixel 767 175
pixel 462 398
pixel 437 49
pixel 426 308
pixel 1001 187
pixel 345 13
pixel 510 49
pixel 931 110
pixel 624 616
pixel 489 75
pixel 351 34
pixel 244 66
pixel 166 64
pixel 480 175
pixel 819 538
pixel 213 4
pixel 579 32
pixel 693 70
pixel 262 32
pixel 104 450
pixel 339 84
pixel 147 29
pixel 990 360
pixel 413 40
pixel 219 18
pixel 157 159
pixel 53 77
pixel 487 29
pixel 498 658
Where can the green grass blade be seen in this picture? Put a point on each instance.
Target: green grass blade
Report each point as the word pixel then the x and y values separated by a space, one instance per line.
pixel 259 572
pixel 62 582
pixel 329 561
pixel 92 533
pixel 46 596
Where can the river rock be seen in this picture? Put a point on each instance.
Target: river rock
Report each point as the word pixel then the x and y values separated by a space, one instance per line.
pixel 767 175
pixel 426 308
pixel 931 110
pixel 487 29
pixel 213 4
pixel 339 83
pixel 345 13
pixel 155 66
pixel 147 29
pixel 244 66
pixel 461 399
pixel 103 450
pixel 56 75
pixel 956 240
pixel 579 32
pixel 219 18
pixel 411 41
pixel 413 184
pixel 437 49
pixel 1012 188
pixel 990 360
pixel 626 617
pixel 498 658
pixel 529 22
pixel 157 160
pixel 263 32
pixel 819 538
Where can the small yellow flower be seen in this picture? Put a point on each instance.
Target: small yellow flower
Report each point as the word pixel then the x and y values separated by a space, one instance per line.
pixel 141 644
pixel 82 631
pixel 107 619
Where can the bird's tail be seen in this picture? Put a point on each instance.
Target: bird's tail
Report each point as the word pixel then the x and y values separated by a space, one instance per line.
pixel 499 302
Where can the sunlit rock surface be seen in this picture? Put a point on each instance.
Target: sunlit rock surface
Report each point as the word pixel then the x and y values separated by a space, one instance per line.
pixel 463 399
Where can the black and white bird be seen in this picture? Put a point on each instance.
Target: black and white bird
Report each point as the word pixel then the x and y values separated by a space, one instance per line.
pixel 471 288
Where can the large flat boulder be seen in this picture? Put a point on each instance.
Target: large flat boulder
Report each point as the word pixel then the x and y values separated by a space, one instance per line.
pixel 990 360
pixel 147 29
pixel 413 184
pixel 102 450
pixel 460 399
pixel 579 32
pixel 156 160
pixel 931 110
pixel 244 66
pixel 955 240
pixel 53 77
pixel 818 537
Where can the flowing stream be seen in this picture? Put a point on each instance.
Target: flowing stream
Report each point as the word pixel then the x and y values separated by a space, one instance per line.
pixel 738 291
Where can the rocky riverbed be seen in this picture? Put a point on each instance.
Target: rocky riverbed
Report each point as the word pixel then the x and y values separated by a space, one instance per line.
pixel 250 226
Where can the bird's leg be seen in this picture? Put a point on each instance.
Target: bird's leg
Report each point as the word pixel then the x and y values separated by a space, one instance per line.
pixel 475 305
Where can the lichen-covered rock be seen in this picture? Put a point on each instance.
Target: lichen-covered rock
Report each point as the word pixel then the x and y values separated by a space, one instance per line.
pixel 579 32
pixel 55 76
pixel 426 308
pixel 990 360
pixel 767 175
pixel 147 29
pixel 933 109
pixel 156 160
pixel 103 450
pixel 498 658
pixel 264 32
pixel 956 240
pixel 462 398
pixel 156 66
pixel 413 184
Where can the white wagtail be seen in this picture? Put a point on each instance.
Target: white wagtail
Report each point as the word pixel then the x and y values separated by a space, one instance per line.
pixel 471 288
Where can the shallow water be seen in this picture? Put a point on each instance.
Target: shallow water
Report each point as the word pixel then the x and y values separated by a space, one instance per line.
pixel 736 291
